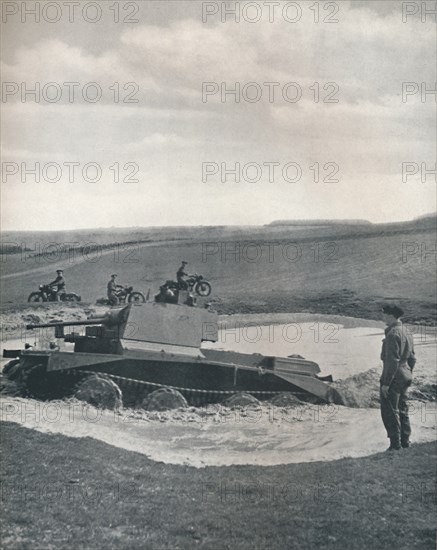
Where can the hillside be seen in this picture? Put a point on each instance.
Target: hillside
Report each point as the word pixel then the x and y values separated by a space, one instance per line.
pixel 244 264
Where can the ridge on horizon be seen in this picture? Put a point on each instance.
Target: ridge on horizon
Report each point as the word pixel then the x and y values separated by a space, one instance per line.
pixel 273 223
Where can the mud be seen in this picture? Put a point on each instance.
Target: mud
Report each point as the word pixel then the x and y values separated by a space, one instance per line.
pixel 217 436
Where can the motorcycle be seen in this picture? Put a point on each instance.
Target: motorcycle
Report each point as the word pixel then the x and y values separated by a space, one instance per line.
pixel 127 293
pixel 47 294
pixel 123 293
pixel 198 284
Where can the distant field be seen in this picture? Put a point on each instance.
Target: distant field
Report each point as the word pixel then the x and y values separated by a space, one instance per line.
pixel 295 262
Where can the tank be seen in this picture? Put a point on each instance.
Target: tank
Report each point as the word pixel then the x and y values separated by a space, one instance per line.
pixel 135 352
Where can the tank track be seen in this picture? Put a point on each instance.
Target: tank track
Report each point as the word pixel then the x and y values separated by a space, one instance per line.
pixel 194 396
pixel 134 390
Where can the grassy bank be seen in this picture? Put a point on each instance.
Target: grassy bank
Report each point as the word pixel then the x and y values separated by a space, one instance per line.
pixel 339 302
pixel 61 493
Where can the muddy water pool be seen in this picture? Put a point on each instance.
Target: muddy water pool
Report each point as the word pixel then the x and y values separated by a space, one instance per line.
pixel 264 435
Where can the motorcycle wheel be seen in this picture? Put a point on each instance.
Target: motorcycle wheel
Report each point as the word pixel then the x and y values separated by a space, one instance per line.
pixel 70 298
pixel 202 288
pixel 35 297
pixel 136 298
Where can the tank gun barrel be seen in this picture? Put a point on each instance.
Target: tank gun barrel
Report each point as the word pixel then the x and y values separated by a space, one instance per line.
pixel 86 322
pixel 112 317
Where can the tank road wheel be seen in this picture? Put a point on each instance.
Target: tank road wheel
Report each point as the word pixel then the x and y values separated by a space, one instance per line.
pixel 8 369
pixel 202 288
pixel 11 382
pixel 136 298
pixel 36 382
pixel 99 391
pixel 163 400
pixel 35 297
pixel 241 399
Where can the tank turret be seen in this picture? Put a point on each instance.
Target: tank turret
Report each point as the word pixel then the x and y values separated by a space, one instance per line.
pixel 152 322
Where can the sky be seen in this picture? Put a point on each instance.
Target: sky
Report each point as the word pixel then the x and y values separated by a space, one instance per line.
pixel 329 136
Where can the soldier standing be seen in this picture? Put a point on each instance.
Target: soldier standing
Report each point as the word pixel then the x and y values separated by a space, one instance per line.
pixel 112 290
pixel 398 359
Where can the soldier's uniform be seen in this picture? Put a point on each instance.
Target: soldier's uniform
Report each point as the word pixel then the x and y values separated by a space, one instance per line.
pixel 112 292
pixel 180 277
pixel 398 359
pixel 59 283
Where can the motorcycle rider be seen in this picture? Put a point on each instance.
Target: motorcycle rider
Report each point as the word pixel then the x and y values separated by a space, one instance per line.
pixel 112 289
pixel 180 276
pixel 58 285
pixel 166 295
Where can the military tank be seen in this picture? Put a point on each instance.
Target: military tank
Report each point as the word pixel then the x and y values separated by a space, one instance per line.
pixel 138 351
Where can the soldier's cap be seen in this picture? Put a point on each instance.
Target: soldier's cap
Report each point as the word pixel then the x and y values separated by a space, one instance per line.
pixel 59 271
pixel 114 275
pixel 184 262
pixel 394 310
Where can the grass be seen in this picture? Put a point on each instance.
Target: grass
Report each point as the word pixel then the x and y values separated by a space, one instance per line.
pixel 370 265
pixel 61 493
pixel 367 272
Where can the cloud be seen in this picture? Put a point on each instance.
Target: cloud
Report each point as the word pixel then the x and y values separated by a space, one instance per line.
pixel 171 131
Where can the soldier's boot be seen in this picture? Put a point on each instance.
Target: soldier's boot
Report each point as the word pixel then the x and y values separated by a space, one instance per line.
pixel 395 444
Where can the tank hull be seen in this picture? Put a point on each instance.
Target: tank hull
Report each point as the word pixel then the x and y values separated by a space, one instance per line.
pixel 209 377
